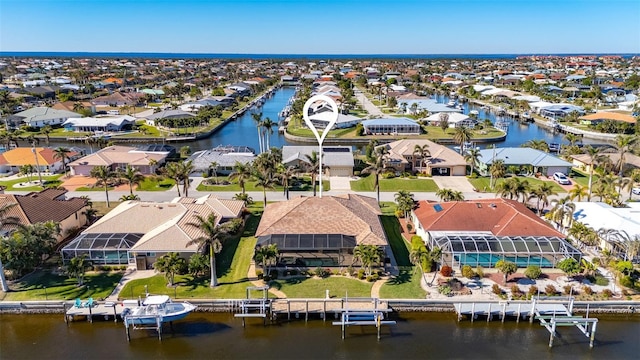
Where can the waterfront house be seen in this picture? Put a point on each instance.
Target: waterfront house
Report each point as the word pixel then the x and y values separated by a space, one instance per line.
pixel 441 160
pixel 631 161
pixel 336 160
pixel 600 116
pixel 137 233
pixel 40 116
pixel 47 205
pixel 118 157
pixel 69 106
pixel 529 160
pixel 313 231
pixel 152 119
pixel 38 157
pixel 93 124
pixel 481 232
pixel 225 157
pixel 455 120
pixel 321 118
pixel 391 126
pixel 118 99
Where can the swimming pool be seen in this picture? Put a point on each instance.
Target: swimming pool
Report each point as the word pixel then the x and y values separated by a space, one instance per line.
pixel 489 260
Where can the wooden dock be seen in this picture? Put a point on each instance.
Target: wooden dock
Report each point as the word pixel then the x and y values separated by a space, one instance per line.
pixel 323 307
pixel 106 310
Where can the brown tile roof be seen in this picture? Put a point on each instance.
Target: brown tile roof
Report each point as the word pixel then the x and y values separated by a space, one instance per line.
pixel 440 155
pixel 501 217
pixel 608 115
pixel 350 214
pixel 42 206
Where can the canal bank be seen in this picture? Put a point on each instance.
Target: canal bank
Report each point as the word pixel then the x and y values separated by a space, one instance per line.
pixel 364 140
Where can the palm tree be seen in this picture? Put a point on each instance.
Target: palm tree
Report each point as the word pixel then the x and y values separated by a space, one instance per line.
pixel 461 136
pixel 368 255
pixel 377 166
pixel 103 175
pixel 571 138
pixel 624 144
pixel 185 168
pixel 77 268
pixel 267 126
pixel 62 153
pixel 578 192
pixel 444 194
pixel 172 171
pixel 169 264
pixel 420 152
pixel 562 212
pixel 46 130
pixel 541 194
pixel 595 154
pixel 497 170
pixel 537 144
pixel 214 170
pixel 313 167
pixel 27 170
pixel 265 255
pixel 242 173
pixel 90 140
pixel 212 238
pixel 257 117
pixel 7 222
pixel 472 158
pixel 265 180
pixel 285 174
pixel 132 176
pixel 405 201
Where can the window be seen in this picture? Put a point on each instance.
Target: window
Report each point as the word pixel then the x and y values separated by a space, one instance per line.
pixel 151 254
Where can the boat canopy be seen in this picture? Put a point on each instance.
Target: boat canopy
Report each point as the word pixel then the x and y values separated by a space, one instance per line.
pixel 156 300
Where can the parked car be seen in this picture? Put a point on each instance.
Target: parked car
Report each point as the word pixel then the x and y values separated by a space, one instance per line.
pixel 561 178
pixel 636 191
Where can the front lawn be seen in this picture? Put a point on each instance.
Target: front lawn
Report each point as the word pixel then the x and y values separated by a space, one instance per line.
pixel 50 181
pixel 338 286
pixel 582 178
pixel 232 266
pixel 153 183
pixel 43 285
pixel 395 184
pixel 301 184
pixel 482 183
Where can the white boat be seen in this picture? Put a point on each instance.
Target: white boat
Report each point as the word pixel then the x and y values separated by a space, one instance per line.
pixel 156 309
pixel 474 112
pixel 451 103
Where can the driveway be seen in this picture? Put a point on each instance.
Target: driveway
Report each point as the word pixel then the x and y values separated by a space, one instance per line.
pixel 340 183
pixel 367 104
pixel 457 183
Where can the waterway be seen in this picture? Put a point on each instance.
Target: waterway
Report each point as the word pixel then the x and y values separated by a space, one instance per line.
pixel 220 336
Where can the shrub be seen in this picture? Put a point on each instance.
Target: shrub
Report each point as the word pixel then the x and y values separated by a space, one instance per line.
pixel 601 280
pixel 399 213
pixel 409 227
pixel 626 281
pixel 550 290
pixel 607 294
pixel 480 271
pixel 496 289
pixel 360 274
pixel 467 271
pixel 351 271
pixel 533 290
pixel 234 225
pixel 446 271
pixel 259 273
pixel 388 175
pixel 567 289
pixel 444 290
pixel 515 290
pixel 533 272
pixel 373 278
pixel 587 289
pixel 321 272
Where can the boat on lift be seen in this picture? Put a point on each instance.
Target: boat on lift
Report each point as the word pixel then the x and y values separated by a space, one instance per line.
pixel 156 309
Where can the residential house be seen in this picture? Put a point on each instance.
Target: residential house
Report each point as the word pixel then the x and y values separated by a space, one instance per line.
pixel 455 120
pixel 313 231
pixel 225 157
pixel 103 124
pixel 167 114
pixel 529 160
pixel 38 157
pixel 47 205
pixel 393 126
pixel 631 161
pixel 481 232
pixel 600 116
pixel 40 116
pixel 336 160
pixel 118 157
pixel 118 99
pixel 440 160
pixel 137 233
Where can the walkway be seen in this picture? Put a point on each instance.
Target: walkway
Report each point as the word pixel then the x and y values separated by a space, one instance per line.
pixel 375 289
pixel 253 277
pixel 367 104
pixel 130 274
pixel 457 183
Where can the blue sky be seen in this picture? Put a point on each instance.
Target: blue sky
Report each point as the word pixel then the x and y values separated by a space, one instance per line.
pixel 322 27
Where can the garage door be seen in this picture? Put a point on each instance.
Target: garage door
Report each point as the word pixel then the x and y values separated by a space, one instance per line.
pixel 340 171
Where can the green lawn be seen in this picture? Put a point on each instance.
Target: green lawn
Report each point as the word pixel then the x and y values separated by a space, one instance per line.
pixel 50 181
pixel 398 245
pixel 395 184
pixel 338 133
pixel 155 184
pixel 404 286
pixel 338 286
pixel 42 285
pixel 482 183
pixel 232 266
pixel 582 178
pixel 303 185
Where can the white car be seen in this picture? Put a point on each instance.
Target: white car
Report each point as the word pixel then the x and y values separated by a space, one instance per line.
pixel 636 191
pixel 561 178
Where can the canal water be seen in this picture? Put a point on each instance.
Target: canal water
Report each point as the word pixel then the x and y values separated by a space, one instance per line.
pixel 221 336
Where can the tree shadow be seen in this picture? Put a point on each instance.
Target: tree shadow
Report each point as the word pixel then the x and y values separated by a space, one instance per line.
pixel 402 278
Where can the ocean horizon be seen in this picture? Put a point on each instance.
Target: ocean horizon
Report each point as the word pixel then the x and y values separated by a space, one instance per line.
pixel 238 56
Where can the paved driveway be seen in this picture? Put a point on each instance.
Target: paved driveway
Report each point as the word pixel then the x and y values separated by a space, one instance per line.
pixel 457 183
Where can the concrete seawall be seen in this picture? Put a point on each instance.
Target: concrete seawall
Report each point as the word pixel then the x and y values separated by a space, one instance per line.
pixel 381 140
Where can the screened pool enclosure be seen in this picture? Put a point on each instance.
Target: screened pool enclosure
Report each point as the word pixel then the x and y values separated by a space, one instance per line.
pixel 107 248
pixel 479 249
pixel 311 250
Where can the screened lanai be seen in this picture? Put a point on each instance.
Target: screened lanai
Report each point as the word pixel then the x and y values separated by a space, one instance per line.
pixel 312 250
pixel 485 249
pixel 102 248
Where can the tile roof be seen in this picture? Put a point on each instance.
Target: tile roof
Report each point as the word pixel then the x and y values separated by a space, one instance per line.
pixel 42 206
pixel 118 155
pixel 609 115
pixel 24 156
pixel 440 155
pixel 350 214
pixel 501 217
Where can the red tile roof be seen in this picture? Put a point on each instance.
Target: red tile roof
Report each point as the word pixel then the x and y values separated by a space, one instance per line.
pixel 501 217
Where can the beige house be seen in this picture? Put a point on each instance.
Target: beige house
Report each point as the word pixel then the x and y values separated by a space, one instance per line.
pixel 47 205
pixel 403 156
pixel 116 157
pixel 313 231
pixel 137 233
pixel 583 161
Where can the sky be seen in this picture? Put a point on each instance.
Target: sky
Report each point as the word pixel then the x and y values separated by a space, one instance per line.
pixel 322 27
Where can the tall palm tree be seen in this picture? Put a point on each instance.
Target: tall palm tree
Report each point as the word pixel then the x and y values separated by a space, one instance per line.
pixel 507 188
pixel 376 166
pixel 172 171
pixel 595 154
pixel 267 130
pixel 571 138
pixel 242 173
pixel 62 153
pixel 537 144
pixel 7 222
pixel 562 212
pixel 285 174
pixel 624 144
pixel 213 167
pixel 46 130
pixel 265 180
pixel 103 175
pixel 472 157
pixel 497 169
pixel 421 152
pixel 257 117
pixel 185 168
pixel 132 176
pixel 578 192
pixel 212 238
pixel 541 194
pixel 312 167
pixel 461 136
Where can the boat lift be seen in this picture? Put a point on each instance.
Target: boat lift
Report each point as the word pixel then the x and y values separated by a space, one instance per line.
pixel 255 308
